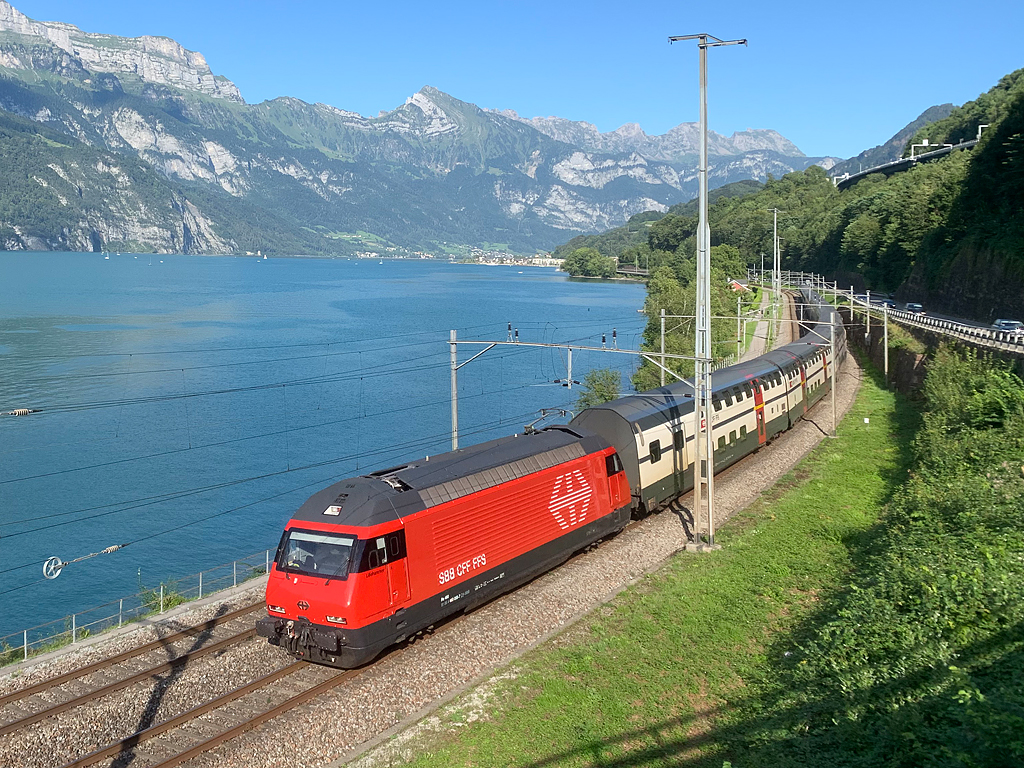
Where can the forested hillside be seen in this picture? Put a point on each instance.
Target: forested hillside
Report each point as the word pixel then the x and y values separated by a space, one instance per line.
pixel 947 233
pixel 621 241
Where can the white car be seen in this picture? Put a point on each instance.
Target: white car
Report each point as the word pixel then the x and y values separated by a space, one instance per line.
pixel 1015 328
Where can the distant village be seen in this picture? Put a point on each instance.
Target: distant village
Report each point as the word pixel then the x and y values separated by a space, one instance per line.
pixel 473 256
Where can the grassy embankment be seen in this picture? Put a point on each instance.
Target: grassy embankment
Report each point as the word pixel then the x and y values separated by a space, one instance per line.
pixel 855 616
pixel 647 681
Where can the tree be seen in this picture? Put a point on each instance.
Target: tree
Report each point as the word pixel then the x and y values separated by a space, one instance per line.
pixel 600 385
pixel 588 262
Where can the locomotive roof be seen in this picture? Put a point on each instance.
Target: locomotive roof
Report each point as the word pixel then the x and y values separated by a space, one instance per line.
pixel 390 494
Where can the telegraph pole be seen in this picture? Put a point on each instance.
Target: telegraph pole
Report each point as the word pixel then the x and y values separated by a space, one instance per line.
pixel 662 347
pixel 452 348
pixel 776 264
pixel 739 331
pixel 703 464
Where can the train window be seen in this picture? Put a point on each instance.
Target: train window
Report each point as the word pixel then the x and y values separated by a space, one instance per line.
pixel 315 553
pixel 743 431
pixel 728 398
pixel 396 544
pixel 739 394
pixel 613 464
pixel 718 404
pixel 721 442
pixel 678 440
pixel 655 451
pixel 378 551
pixel 732 437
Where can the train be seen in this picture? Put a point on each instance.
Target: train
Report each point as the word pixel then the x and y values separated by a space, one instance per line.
pixel 373 560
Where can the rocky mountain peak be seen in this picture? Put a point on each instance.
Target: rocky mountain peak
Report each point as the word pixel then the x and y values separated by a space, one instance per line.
pixel 630 131
pixel 159 60
pixel 673 146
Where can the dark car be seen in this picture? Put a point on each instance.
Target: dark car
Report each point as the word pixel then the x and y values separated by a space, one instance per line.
pixel 915 309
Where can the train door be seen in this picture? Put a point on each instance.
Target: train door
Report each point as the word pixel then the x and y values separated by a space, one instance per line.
pixel 824 371
pixel 397 566
pixel 762 436
pixel 803 389
pixel 375 590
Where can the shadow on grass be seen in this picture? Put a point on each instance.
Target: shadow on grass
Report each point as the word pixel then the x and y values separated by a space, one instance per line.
pixel 916 712
pixel 805 733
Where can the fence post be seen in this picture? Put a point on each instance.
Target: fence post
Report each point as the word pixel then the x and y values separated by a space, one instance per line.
pixel 234 573
pixel 26 645
pixel 200 585
pixel 120 612
pixel 74 627
pixel 161 598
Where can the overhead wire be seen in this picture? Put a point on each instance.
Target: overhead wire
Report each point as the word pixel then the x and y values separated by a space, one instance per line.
pixel 274 433
pixel 403 449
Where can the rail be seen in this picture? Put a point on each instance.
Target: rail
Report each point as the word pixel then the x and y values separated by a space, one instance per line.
pixel 71 629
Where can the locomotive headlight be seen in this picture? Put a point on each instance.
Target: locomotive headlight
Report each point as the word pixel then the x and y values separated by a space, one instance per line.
pixel 275 609
pixel 337 620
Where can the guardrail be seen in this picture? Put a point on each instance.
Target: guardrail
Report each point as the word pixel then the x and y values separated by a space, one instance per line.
pixel 1006 341
pixel 900 164
pixel 990 338
pixel 18 646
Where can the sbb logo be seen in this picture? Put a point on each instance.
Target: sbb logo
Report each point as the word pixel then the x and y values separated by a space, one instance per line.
pixel 570 499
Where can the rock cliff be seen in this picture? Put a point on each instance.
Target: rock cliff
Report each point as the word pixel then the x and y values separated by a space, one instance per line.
pixel 152 59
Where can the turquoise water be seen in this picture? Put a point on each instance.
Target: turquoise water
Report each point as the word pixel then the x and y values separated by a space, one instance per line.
pixel 246 385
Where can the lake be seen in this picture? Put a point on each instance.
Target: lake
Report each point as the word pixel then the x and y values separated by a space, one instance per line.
pixel 188 404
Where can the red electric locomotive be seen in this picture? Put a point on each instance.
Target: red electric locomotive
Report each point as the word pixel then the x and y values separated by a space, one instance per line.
pixel 369 561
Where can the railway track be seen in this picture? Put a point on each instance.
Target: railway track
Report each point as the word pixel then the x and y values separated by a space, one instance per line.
pixel 206 726
pixel 185 736
pixel 227 716
pixel 35 703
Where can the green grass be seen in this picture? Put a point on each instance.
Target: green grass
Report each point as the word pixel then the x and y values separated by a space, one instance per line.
pixel 655 677
pixel 899 337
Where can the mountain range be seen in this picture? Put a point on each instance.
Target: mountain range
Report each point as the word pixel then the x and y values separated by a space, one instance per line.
pixel 134 144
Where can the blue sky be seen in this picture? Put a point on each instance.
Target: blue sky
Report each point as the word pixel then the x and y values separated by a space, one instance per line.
pixel 835 78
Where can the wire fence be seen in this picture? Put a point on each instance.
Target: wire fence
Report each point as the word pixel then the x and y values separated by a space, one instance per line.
pixel 19 646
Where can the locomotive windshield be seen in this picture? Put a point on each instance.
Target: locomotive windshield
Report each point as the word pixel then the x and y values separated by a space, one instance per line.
pixel 316 554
